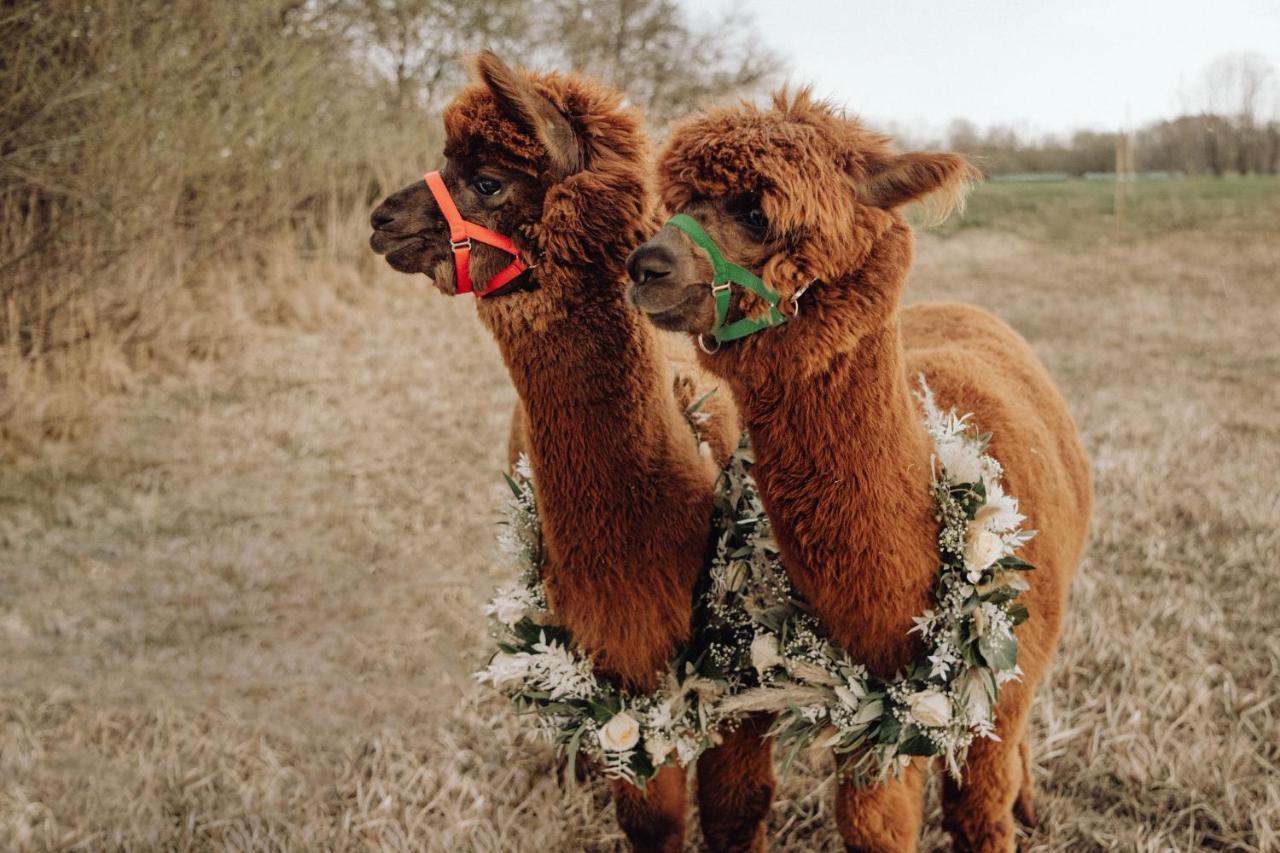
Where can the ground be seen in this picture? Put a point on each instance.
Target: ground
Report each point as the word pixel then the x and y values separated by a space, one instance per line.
pixel 244 613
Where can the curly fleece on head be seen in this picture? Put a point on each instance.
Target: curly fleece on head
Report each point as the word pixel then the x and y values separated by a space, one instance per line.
pixel 591 219
pixel 803 156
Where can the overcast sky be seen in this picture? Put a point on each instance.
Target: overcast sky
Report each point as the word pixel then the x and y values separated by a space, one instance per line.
pixel 1038 65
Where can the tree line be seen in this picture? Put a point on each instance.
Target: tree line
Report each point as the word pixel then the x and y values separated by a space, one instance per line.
pixel 1230 124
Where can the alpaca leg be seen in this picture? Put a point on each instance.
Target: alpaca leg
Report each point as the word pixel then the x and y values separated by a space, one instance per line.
pixel 978 812
pixel 735 788
pixel 884 818
pixel 1024 807
pixel 653 818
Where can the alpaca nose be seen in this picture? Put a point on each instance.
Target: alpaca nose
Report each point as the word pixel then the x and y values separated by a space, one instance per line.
pixel 649 263
pixel 381 218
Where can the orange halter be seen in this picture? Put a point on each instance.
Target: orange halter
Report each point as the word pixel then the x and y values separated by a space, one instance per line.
pixel 462 232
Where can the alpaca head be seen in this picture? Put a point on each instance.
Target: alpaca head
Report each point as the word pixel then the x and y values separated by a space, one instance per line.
pixel 551 161
pixel 798 195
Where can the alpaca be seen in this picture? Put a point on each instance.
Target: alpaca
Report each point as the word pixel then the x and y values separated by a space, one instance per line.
pixel 808 200
pixel 625 496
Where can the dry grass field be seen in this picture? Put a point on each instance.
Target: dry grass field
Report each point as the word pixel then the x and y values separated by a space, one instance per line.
pixel 242 614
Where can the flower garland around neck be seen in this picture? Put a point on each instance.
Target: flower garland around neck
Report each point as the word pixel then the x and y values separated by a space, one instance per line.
pixel 757 647
pixel 629 735
pixel 772 651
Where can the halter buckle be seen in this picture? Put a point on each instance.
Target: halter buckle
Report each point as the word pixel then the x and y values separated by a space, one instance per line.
pixel 464 243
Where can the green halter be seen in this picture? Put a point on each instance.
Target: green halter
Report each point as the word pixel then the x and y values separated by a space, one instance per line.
pixel 727 275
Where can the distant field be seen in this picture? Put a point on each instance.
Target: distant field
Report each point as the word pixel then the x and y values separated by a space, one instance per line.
pixel 1080 211
pixel 244 614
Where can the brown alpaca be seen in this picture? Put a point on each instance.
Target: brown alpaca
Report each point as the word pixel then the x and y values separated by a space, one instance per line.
pixel 625 497
pixel 805 197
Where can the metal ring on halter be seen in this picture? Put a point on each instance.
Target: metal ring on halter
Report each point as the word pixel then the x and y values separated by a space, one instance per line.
pixel 702 346
pixel 795 300
pixel 465 242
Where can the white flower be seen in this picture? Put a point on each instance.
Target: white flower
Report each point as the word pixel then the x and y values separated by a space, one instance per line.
pixel 930 708
pixel 523 469
pixel 960 459
pixel 659 747
pixel 981 549
pixel 559 672
pixel 1004 676
pixel 509 605
pixel 847 696
pixel 974 692
pixel 505 669
pixel 1000 511
pixel 686 750
pixel 735 576
pixel 764 653
pixel 620 733
pixel 940 663
pixel 923 623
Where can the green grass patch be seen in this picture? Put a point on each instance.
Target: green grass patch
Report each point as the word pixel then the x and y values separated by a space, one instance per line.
pixel 1080 211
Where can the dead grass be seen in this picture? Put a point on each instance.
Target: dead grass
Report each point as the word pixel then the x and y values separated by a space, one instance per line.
pixel 243 614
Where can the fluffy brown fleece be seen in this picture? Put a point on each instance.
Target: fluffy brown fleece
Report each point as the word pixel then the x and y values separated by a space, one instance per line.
pixel 842 457
pixel 625 497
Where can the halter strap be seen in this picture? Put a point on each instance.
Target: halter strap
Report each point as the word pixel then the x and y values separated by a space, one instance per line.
pixel 726 275
pixel 462 232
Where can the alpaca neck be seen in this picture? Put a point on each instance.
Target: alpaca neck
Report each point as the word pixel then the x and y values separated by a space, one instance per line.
pixel 624 497
pixel 843 467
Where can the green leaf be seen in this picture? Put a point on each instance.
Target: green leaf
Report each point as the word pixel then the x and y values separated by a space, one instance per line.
pixel 515 488
pixel 697 404
pixel 1019 614
pixel 791 755
pixel 602 712
pixel 998 650
pixel 869 712
pixel 572 752
pixel 888 730
pixel 641 765
pixel 1001 594
pixel 917 744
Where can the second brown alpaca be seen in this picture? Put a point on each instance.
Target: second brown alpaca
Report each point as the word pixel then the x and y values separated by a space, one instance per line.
pixel 625 496
pixel 808 200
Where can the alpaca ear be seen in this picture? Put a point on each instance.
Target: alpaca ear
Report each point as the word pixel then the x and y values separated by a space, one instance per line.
pixel 532 111
pixel 943 178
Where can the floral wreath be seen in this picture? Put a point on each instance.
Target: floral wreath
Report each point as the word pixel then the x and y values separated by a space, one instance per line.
pixel 758 648
pixel 781 662
pixel 629 735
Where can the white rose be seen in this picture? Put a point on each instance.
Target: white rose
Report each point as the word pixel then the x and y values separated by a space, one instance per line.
pixel 974 691
pixel 960 459
pixel 620 733
pixel 981 549
pixel 764 653
pixel 930 708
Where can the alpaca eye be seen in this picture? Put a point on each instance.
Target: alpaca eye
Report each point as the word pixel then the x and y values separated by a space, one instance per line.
pixel 486 186
pixel 755 219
